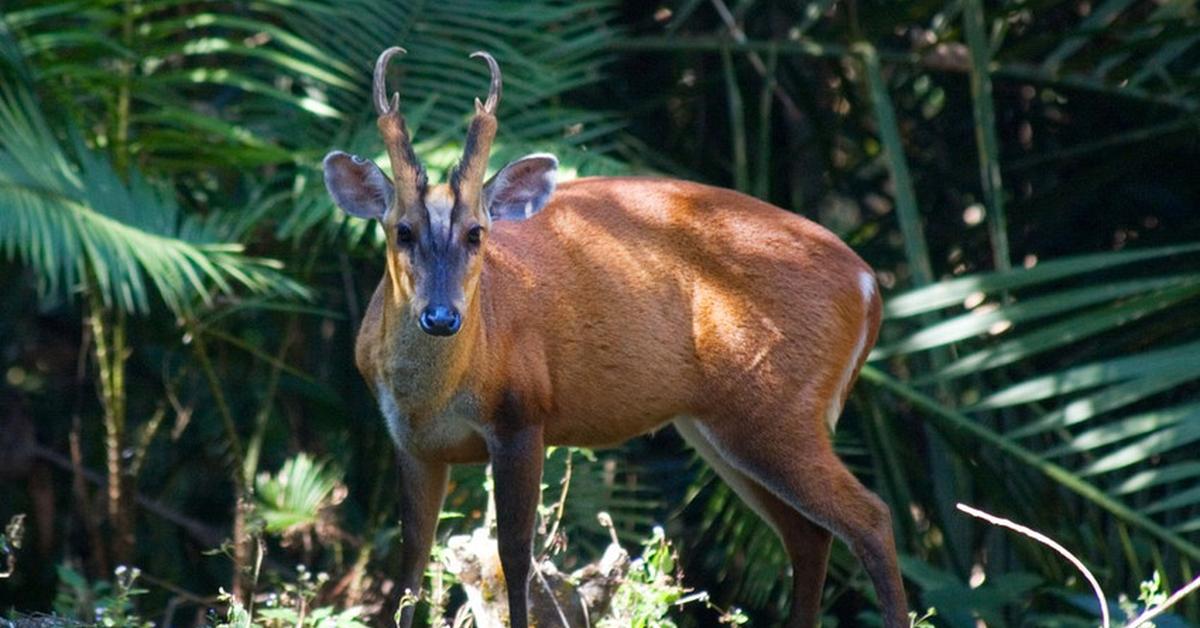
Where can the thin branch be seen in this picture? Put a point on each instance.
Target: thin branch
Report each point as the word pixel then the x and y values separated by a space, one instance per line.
pixel 1052 544
pixel 202 533
pixel 537 570
pixel 180 592
pixel 231 433
pixel 739 36
pixel 949 60
pixel 801 47
pixel 737 125
pixel 561 507
pixel 149 430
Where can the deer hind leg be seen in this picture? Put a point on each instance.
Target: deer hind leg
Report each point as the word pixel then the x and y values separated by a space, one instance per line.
pixel 806 543
pixel 790 454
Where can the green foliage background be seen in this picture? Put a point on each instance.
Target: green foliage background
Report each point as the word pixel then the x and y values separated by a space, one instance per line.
pixel 180 296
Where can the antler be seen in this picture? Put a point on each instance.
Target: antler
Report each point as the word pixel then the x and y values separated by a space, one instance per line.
pixel 406 170
pixel 379 87
pixel 493 97
pixel 467 179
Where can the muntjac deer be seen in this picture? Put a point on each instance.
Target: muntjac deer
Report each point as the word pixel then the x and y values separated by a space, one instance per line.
pixel 513 315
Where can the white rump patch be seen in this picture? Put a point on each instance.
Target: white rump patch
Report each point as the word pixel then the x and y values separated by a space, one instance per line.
pixel 866 284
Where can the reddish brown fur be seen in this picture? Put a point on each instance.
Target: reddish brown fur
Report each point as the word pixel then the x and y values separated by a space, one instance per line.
pixel 631 302
pixel 648 299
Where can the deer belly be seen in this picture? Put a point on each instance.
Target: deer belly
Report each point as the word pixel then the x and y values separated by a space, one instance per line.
pixel 608 422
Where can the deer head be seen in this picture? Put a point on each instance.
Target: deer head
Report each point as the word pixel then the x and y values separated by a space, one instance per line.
pixel 436 233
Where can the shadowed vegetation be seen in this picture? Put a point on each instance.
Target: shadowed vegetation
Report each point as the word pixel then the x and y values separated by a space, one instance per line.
pixel 181 296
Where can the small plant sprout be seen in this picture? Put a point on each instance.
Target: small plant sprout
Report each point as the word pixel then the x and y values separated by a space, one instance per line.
pixel 924 621
pixel 653 586
pixel 118 611
pixel 10 542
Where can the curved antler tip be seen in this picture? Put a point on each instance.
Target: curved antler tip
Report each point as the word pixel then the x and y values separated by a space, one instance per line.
pixel 386 55
pixel 381 104
pixel 493 97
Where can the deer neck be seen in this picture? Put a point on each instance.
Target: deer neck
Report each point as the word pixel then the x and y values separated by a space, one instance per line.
pixel 426 372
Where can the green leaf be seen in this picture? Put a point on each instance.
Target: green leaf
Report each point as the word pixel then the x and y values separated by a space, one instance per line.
pixel 1163 363
pixel 67 214
pixel 978 322
pixel 1156 443
pixel 953 292
pixel 1070 330
pixel 296 495
pixel 1124 429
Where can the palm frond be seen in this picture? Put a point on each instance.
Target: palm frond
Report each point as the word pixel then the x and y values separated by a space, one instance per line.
pixel 1092 363
pixel 295 496
pixel 546 49
pixel 67 214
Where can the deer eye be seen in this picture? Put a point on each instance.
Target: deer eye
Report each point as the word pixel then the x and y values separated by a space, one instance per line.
pixel 404 234
pixel 475 234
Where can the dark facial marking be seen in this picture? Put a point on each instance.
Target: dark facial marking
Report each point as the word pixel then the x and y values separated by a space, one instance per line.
pixel 404 234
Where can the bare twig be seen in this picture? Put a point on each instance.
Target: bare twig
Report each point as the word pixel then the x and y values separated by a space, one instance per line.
pixel 607 523
pixel 235 441
pixel 79 478
pixel 561 507
pixel 179 592
pixel 739 36
pixel 149 430
pixel 1052 544
pixel 202 533
pixel 537 571
pixel 489 515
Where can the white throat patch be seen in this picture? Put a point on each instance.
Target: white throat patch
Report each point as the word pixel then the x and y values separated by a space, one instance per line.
pixel 397 423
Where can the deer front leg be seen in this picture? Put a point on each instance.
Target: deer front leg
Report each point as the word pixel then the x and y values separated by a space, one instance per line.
pixel 517 468
pixel 422 489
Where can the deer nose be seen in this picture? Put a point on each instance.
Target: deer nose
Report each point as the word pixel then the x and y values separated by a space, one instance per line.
pixel 440 320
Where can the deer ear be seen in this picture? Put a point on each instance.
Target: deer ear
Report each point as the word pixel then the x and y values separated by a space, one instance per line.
pixel 522 188
pixel 357 185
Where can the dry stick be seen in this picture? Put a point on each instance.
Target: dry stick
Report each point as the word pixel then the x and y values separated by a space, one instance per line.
pixel 241 482
pixel 537 570
pixel 180 592
pixel 199 531
pixel 79 488
pixel 90 522
pixel 489 514
pixel 561 507
pixel 739 36
pixel 1041 538
pixel 463 617
pixel 1052 544
pixel 607 523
